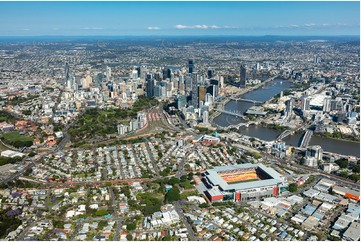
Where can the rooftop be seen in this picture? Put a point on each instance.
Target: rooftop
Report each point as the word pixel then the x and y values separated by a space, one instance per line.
pixel 214 176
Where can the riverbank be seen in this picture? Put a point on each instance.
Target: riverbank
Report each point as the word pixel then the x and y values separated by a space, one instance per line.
pixel 329 137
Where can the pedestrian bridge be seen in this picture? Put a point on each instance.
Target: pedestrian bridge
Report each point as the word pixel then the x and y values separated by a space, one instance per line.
pixel 234 113
pixel 246 100
pixel 284 134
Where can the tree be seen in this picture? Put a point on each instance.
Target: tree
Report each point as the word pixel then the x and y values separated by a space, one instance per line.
pixel 356 168
pixel 102 224
pixel 172 195
pixel 173 181
pixel 129 237
pixel 32 154
pixel 183 178
pixel 292 187
pixel 131 226
pixel 167 238
pixel 343 163
pixel 344 174
pixel 355 177
pixel 190 175
pixel 204 205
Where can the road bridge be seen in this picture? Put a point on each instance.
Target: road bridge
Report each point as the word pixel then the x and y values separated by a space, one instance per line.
pixel 306 139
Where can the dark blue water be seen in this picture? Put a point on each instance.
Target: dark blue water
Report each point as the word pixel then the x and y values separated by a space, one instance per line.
pixel 262 94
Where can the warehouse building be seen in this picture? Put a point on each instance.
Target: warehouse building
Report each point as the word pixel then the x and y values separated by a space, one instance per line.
pixel 347 193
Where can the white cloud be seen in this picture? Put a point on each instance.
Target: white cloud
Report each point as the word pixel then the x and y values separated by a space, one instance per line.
pixel 198 26
pixel 312 25
pixel 92 28
pixel 153 28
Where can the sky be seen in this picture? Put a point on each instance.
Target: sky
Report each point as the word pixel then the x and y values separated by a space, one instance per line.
pixel 179 18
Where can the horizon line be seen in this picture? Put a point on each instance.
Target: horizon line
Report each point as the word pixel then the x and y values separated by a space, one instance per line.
pixel 170 35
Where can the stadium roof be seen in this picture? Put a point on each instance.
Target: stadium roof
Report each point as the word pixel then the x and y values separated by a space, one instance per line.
pixel 216 179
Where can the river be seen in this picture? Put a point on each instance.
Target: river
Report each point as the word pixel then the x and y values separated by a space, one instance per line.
pixel 327 144
pixel 264 94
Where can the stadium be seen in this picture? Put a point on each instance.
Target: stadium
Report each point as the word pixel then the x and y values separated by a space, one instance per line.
pixel 243 182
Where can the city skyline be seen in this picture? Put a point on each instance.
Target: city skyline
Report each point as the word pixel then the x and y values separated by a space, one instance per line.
pixel 178 18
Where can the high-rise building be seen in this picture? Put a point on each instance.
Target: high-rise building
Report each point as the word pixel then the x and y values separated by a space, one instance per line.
pixel 215 83
pixel 167 73
pixel 209 98
pixel 157 77
pixel 87 81
pixel 194 90
pixel 210 73
pixel 188 83
pixel 108 73
pixel 306 103
pixel 327 105
pixel 122 129
pixel 289 105
pixel 157 91
pixel 212 91
pixel 139 71
pixel 336 105
pixel 205 117
pixel 70 81
pixel 221 82
pixel 242 76
pixel 67 71
pixel 181 101
pixel 315 151
pixel 202 90
pixel 150 85
pixel 190 66
pixel 134 74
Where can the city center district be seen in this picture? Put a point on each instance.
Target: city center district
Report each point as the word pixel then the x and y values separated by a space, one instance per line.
pixel 180 139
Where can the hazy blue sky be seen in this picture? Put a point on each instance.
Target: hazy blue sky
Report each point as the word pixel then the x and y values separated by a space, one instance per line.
pixel 179 18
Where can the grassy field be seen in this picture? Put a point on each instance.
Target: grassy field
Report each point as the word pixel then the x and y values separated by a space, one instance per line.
pixel 15 136
pixel 3 148
pixel 15 139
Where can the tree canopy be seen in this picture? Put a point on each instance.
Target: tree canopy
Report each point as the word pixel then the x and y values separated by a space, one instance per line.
pixel 172 195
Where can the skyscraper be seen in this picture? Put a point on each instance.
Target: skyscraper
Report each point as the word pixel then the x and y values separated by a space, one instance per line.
pixel 108 72
pixel 327 105
pixel 150 85
pixel 194 90
pixel 305 103
pixel 289 105
pixel 210 73
pixel 242 76
pixel 205 117
pixel 202 93
pixel 181 101
pixel 315 151
pixel 215 84
pixel 188 82
pixel 70 82
pixel 67 71
pixel 190 66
